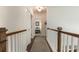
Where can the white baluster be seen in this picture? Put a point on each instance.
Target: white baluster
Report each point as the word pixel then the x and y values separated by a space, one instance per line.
pixel 67 44
pixel 72 44
pixel 17 36
pixel 9 43
pixel 21 42
pixel 78 45
pixel 14 41
pixel 24 41
pixel 18 42
pixel 63 43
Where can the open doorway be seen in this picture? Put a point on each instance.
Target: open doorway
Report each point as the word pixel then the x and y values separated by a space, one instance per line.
pixel 39 21
pixel 38 30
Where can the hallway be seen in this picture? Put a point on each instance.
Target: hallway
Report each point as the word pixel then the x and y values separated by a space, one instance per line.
pixel 39 29
pixel 40 45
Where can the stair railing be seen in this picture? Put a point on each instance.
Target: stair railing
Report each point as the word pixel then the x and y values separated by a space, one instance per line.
pixel 16 41
pixel 66 40
pixel 13 41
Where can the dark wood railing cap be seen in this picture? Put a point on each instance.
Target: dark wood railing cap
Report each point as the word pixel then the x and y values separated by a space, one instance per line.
pixel 59 28
pixel 15 32
pixel 3 29
pixel 52 29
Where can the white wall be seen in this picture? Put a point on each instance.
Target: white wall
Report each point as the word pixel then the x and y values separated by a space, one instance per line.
pixel 42 19
pixel 65 17
pixel 3 16
pixel 16 18
pixel 24 21
pixel 33 26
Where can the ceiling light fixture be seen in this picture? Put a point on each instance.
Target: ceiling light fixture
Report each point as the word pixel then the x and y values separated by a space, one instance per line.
pixel 39 8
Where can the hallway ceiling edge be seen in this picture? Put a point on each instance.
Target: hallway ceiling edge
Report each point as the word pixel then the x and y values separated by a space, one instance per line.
pixel 36 8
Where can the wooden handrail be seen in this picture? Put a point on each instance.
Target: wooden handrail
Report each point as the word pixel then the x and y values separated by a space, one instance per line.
pixel 68 33
pixel 12 33
pixel 59 32
pixel 52 29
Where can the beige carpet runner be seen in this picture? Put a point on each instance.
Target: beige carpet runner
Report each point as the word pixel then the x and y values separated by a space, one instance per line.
pixel 40 45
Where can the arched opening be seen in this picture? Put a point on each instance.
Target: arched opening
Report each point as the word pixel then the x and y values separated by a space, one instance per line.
pixel 39 20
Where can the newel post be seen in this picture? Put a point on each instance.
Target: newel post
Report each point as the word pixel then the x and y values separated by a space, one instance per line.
pixel 3 39
pixel 59 39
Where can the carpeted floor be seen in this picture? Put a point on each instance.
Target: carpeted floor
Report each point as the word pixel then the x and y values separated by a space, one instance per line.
pixel 40 45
